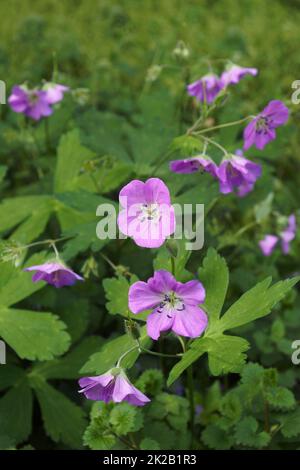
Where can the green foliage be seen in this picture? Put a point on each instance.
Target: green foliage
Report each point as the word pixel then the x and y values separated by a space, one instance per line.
pixel 227 353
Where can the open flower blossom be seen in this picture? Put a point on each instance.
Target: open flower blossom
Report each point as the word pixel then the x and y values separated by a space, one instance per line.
pixel 193 164
pixel 237 172
pixel 261 129
pixel 206 88
pixel 269 242
pixel 147 215
pixel 54 273
pixel 32 103
pixel 175 305
pixel 234 73
pixel 54 92
pixel 112 386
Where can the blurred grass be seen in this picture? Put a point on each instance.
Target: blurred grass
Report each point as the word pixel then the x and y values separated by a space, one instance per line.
pixel 107 43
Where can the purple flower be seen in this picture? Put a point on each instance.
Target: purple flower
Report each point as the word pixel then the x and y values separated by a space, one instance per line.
pixel 175 305
pixel 112 386
pixel 32 103
pixel 54 92
pixel 233 74
pixel 54 273
pixel 148 216
pixel 261 130
pixel 238 172
pixel 193 164
pixel 206 88
pixel 288 234
pixel 268 244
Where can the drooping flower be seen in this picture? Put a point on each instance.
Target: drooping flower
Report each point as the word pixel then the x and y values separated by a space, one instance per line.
pixel 54 273
pixel 206 88
pixel 288 234
pixel 193 164
pixel 54 92
pixel 268 244
pixel 32 103
pixel 237 172
pixel 233 74
pixel 175 305
pixel 112 386
pixel 261 129
pixel 147 215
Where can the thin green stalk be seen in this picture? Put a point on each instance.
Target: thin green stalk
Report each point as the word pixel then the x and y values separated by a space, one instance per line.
pixel 221 126
pixel 190 382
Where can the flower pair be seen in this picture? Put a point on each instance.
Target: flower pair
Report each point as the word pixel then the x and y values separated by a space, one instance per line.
pixel 208 87
pixel 175 306
pixel 269 242
pixel 234 173
pixel 36 103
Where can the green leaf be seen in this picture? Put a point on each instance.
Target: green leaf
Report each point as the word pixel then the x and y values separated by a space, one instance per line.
pixel 280 397
pixel 149 444
pixel 33 335
pixel 116 292
pixel 216 438
pixel 16 412
pixel 111 351
pixel 10 374
pixel 226 354
pixel 63 420
pixel 187 359
pixel 215 277
pixel 16 284
pixel 98 436
pixel 263 209
pixel 290 423
pixel 247 435
pixel 256 303
pixel 69 366
pixel 125 418
pixel 17 209
pixel 150 382
pixel 70 158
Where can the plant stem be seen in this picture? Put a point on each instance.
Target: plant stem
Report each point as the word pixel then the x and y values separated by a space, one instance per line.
pixel 266 416
pixel 227 124
pixel 125 354
pixel 190 382
pixel 173 265
pixel 158 354
pixel 47 135
pixel 213 142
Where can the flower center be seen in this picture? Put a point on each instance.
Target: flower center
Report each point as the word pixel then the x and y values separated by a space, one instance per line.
pixel 262 124
pixel 33 97
pixel 149 212
pixel 171 301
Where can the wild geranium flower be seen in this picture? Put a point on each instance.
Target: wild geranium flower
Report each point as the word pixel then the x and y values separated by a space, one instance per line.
pixel 237 172
pixel 54 273
pixel 32 103
pixel 148 216
pixel 234 73
pixel 269 242
pixel 261 130
pixel 288 234
pixel 54 92
pixel 175 305
pixel 206 88
pixel 193 164
pixel 112 386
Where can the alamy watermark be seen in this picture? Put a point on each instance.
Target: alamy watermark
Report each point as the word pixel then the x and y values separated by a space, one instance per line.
pixel 296 353
pixel 2 352
pixel 2 92
pixel 153 222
